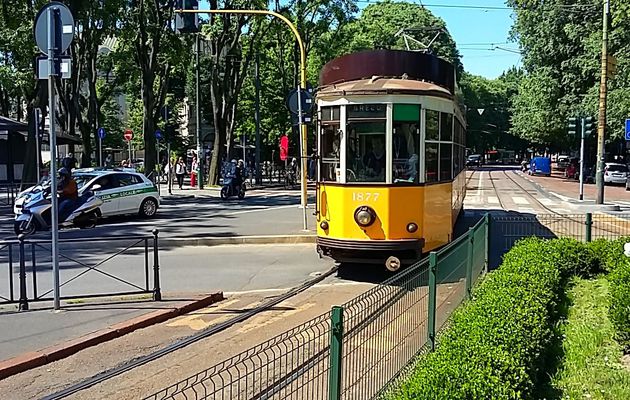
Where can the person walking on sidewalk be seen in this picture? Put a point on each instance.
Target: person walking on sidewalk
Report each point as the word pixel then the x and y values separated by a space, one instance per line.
pixel 180 171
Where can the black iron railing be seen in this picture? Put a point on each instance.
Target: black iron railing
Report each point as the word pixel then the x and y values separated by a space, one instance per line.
pixel 91 267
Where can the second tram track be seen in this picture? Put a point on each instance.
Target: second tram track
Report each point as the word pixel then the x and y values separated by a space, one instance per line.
pixel 180 344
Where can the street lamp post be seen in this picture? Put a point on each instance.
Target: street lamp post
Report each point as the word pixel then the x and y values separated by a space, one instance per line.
pixel 603 91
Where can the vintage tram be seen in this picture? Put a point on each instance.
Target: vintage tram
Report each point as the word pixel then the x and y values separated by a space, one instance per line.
pixel 391 157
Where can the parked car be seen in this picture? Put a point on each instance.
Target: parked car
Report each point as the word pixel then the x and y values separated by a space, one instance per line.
pixel 122 190
pixel 615 173
pixel 540 165
pixel 474 160
pixel 563 162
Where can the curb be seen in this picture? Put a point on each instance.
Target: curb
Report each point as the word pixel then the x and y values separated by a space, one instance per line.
pixel 235 240
pixel 34 359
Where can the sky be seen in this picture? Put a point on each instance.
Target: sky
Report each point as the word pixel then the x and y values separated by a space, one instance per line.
pixel 476 30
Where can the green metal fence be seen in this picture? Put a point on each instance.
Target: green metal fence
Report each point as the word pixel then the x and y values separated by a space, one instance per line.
pixel 357 350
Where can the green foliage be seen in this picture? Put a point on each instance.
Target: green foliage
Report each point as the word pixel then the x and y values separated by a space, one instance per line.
pixel 494 348
pixel 591 366
pixel 617 265
pixel 620 301
pixel 561 46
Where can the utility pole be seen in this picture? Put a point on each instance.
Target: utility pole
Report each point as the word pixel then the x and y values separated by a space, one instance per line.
pixel 200 152
pixel 257 116
pixel 603 91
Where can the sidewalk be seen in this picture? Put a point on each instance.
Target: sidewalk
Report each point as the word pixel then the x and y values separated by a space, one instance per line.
pixel 569 189
pixel 34 338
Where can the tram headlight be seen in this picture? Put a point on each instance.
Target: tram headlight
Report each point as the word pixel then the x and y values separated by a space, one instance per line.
pixel 364 216
pixel 323 225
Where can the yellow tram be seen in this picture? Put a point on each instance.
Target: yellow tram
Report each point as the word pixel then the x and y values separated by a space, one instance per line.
pixel 391 157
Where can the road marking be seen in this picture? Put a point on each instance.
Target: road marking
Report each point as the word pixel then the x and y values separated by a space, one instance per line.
pixel 263 320
pixel 547 202
pixel 196 323
pixel 526 210
pixel 493 200
pixel 263 208
pixel 520 200
pixel 479 180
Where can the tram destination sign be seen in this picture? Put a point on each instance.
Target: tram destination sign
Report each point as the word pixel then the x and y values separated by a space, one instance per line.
pixel 356 111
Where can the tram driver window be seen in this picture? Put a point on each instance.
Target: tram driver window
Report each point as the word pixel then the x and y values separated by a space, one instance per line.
pixel 431 162
pixel 330 146
pixel 366 154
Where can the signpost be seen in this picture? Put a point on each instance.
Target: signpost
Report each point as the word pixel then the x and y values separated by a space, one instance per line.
pixel 54 31
pixel 128 135
pixel 101 136
pixel 627 129
pixel 158 137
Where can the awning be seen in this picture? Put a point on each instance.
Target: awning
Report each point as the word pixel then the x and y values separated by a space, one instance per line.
pixel 13 126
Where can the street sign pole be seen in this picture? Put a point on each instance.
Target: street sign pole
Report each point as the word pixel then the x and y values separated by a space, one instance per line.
pixel 582 159
pixel 53 155
pixel 129 143
pixel 302 129
pixel 38 154
pixel 170 168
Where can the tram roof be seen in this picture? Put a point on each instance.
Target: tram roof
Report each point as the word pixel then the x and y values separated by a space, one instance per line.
pixel 406 65
pixel 379 85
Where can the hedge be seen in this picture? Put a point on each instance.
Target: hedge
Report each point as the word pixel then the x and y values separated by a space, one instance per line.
pixel 618 267
pixel 495 346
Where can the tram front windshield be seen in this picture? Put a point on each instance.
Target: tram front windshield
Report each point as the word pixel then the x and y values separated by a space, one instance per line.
pixel 365 152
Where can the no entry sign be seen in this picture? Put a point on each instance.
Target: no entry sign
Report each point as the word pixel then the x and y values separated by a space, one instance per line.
pixel 128 135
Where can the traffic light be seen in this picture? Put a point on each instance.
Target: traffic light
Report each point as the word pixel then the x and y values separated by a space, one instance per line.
pixel 573 126
pixel 589 126
pixel 186 22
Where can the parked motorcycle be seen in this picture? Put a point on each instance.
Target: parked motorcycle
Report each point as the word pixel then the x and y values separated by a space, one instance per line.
pixel 37 206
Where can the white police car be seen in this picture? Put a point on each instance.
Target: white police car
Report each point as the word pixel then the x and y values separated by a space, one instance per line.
pixel 123 191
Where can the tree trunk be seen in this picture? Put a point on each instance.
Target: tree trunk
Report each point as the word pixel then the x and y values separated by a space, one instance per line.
pixel 148 126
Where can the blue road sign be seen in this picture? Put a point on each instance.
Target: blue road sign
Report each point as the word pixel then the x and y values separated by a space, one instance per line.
pixel 628 129
pixel 158 134
pixel 101 133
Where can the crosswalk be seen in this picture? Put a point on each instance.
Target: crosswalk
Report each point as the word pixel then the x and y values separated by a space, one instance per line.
pixel 484 193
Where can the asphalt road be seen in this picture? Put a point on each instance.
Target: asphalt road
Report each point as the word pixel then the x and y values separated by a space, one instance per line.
pixel 262 212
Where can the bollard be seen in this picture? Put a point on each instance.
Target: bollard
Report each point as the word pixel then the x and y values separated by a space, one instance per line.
pixel 23 302
pixel 157 294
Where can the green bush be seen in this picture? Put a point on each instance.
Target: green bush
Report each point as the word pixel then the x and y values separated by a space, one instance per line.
pixel 620 303
pixel 613 261
pixel 494 348
pixel 609 252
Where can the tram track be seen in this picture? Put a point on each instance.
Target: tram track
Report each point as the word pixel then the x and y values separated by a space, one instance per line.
pixel 187 341
pixel 496 191
pixel 564 217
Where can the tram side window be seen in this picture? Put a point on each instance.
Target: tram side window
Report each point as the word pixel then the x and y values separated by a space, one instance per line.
pixel 366 152
pixel 432 125
pixel 446 161
pixel 446 127
pixel 431 162
pixel 330 146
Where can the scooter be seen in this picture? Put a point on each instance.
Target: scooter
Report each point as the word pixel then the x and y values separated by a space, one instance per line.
pixel 230 188
pixel 36 212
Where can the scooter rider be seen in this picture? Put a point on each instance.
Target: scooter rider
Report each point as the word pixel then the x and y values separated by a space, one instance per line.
pixel 68 194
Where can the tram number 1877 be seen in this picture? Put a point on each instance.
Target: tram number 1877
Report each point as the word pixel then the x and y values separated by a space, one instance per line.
pixel 364 196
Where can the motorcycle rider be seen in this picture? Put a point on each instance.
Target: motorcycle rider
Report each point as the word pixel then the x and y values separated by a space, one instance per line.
pixel 68 194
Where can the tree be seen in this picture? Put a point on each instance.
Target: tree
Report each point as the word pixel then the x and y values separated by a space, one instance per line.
pixel 561 46
pixel 147 38
pixel 379 23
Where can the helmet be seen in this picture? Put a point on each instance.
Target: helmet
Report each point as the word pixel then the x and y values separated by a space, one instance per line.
pixel 64 172
pixel 233 161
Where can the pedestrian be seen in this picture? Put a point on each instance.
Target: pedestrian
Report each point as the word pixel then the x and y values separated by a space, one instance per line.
pixel 109 161
pixel 193 171
pixel 124 164
pixel 180 171
pixel 69 162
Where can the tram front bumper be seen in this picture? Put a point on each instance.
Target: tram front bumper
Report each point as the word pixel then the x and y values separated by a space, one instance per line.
pixel 370 251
